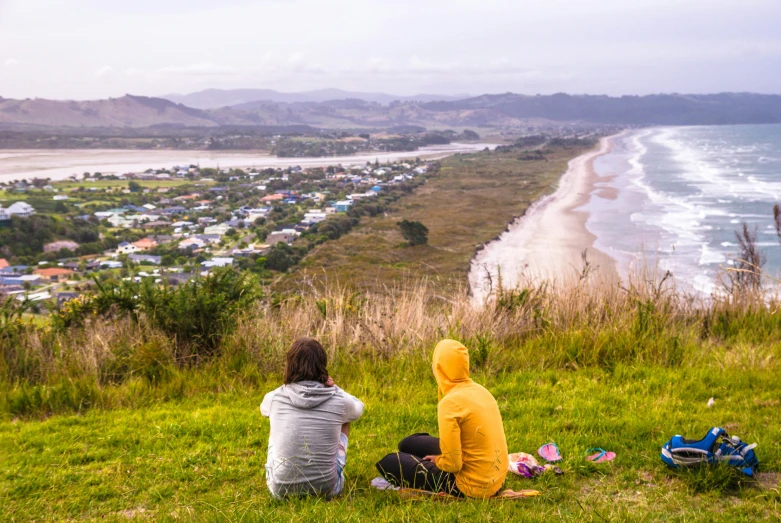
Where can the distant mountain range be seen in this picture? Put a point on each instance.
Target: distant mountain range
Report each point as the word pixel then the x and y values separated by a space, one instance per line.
pixel 503 111
pixel 216 98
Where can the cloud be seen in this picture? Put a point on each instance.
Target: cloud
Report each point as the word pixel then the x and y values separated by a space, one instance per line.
pixel 267 64
pixel 203 69
pixel 103 71
pixel 11 62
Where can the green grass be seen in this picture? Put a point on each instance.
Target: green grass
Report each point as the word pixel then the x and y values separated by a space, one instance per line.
pixel 201 457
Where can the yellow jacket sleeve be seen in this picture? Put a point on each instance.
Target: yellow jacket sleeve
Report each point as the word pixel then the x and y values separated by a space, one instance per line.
pixel 449 417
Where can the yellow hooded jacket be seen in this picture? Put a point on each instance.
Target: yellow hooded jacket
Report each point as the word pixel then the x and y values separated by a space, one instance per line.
pixel 471 434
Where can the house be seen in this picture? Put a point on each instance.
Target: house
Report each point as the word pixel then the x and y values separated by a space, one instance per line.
pixel 20 209
pixel 91 265
pixel 176 209
pixel 12 270
pixel 217 262
pixel 54 275
pixel 60 197
pixel 314 217
pixel 63 297
pixel 155 224
pixel 8 290
pixel 127 248
pixel 145 259
pixel 109 264
pixel 210 238
pixel 360 196
pixel 120 221
pixel 343 205
pixel 4 216
pixel 206 220
pixel 219 229
pixel 258 248
pixel 271 198
pixel 286 236
pixel 145 244
pixel 4 263
pixel 237 223
pixel 35 296
pixel 192 243
pixel 20 279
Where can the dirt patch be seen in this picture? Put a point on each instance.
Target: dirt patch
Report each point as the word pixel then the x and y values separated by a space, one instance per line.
pixel 769 480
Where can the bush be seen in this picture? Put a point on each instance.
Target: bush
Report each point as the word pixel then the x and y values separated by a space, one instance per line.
pixel 414 232
pixel 196 314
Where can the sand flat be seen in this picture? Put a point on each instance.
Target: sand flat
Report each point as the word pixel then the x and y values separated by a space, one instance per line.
pixel 60 164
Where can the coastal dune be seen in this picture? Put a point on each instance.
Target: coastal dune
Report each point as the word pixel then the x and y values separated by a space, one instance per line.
pixel 546 243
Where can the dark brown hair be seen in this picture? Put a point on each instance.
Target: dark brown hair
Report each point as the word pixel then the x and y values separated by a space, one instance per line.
pixel 306 361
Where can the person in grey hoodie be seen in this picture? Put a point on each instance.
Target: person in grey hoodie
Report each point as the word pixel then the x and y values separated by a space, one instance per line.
pixel 310 422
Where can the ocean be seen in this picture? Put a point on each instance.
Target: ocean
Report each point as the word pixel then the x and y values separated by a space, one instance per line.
pixel 673 198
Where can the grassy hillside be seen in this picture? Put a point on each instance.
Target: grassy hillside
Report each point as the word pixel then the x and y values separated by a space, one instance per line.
pixel 124 418
pixel 468 203
pixel 141 403
pixel 202 457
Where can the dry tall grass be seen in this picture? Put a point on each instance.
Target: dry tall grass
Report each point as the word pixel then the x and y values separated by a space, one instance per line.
pixel 585 323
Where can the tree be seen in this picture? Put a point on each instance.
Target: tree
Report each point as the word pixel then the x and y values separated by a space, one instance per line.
pixel 414 232
pixel 134 186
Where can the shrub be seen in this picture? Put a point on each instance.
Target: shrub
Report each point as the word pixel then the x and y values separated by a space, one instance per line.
pixel 196 314
pixel 414 232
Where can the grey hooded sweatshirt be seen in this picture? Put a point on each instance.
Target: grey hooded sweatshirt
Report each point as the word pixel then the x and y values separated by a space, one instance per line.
pixel 306 420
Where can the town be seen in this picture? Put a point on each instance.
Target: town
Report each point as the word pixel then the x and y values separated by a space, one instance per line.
pixel 175 224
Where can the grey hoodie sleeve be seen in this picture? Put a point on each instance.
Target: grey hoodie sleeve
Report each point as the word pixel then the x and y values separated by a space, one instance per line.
pixel 353 407
pixel 265 407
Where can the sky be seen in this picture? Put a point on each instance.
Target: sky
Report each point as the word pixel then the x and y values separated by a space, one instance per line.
pixel 89 49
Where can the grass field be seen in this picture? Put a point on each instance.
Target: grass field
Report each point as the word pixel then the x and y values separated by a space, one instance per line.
pixel 201 457
pixel 468 203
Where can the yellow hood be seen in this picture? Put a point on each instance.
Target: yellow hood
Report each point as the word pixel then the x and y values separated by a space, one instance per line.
pixel 450 364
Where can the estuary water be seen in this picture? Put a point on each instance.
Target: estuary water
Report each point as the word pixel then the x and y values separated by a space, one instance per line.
pixel 61 164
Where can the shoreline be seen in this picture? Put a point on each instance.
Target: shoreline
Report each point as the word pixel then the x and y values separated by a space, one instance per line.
pixel 546 243
pixel 61 164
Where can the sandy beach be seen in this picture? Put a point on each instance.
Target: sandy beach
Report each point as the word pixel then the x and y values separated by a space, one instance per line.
pixel 547 242
pixel 60 164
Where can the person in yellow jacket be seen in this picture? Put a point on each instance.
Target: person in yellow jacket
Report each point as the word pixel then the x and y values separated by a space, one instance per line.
pixel 470 456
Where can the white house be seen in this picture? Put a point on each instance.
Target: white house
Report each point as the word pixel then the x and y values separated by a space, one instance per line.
pixel 313 217
pixel 359 196
pixel 120 221
pixel 127 248
pixel 195 243
pixel 217 262
pixel 20 209
pixel 220 229
pixel 60 197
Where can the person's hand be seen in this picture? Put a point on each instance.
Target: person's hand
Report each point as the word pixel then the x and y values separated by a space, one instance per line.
pixel 330 382
pixel 432 458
